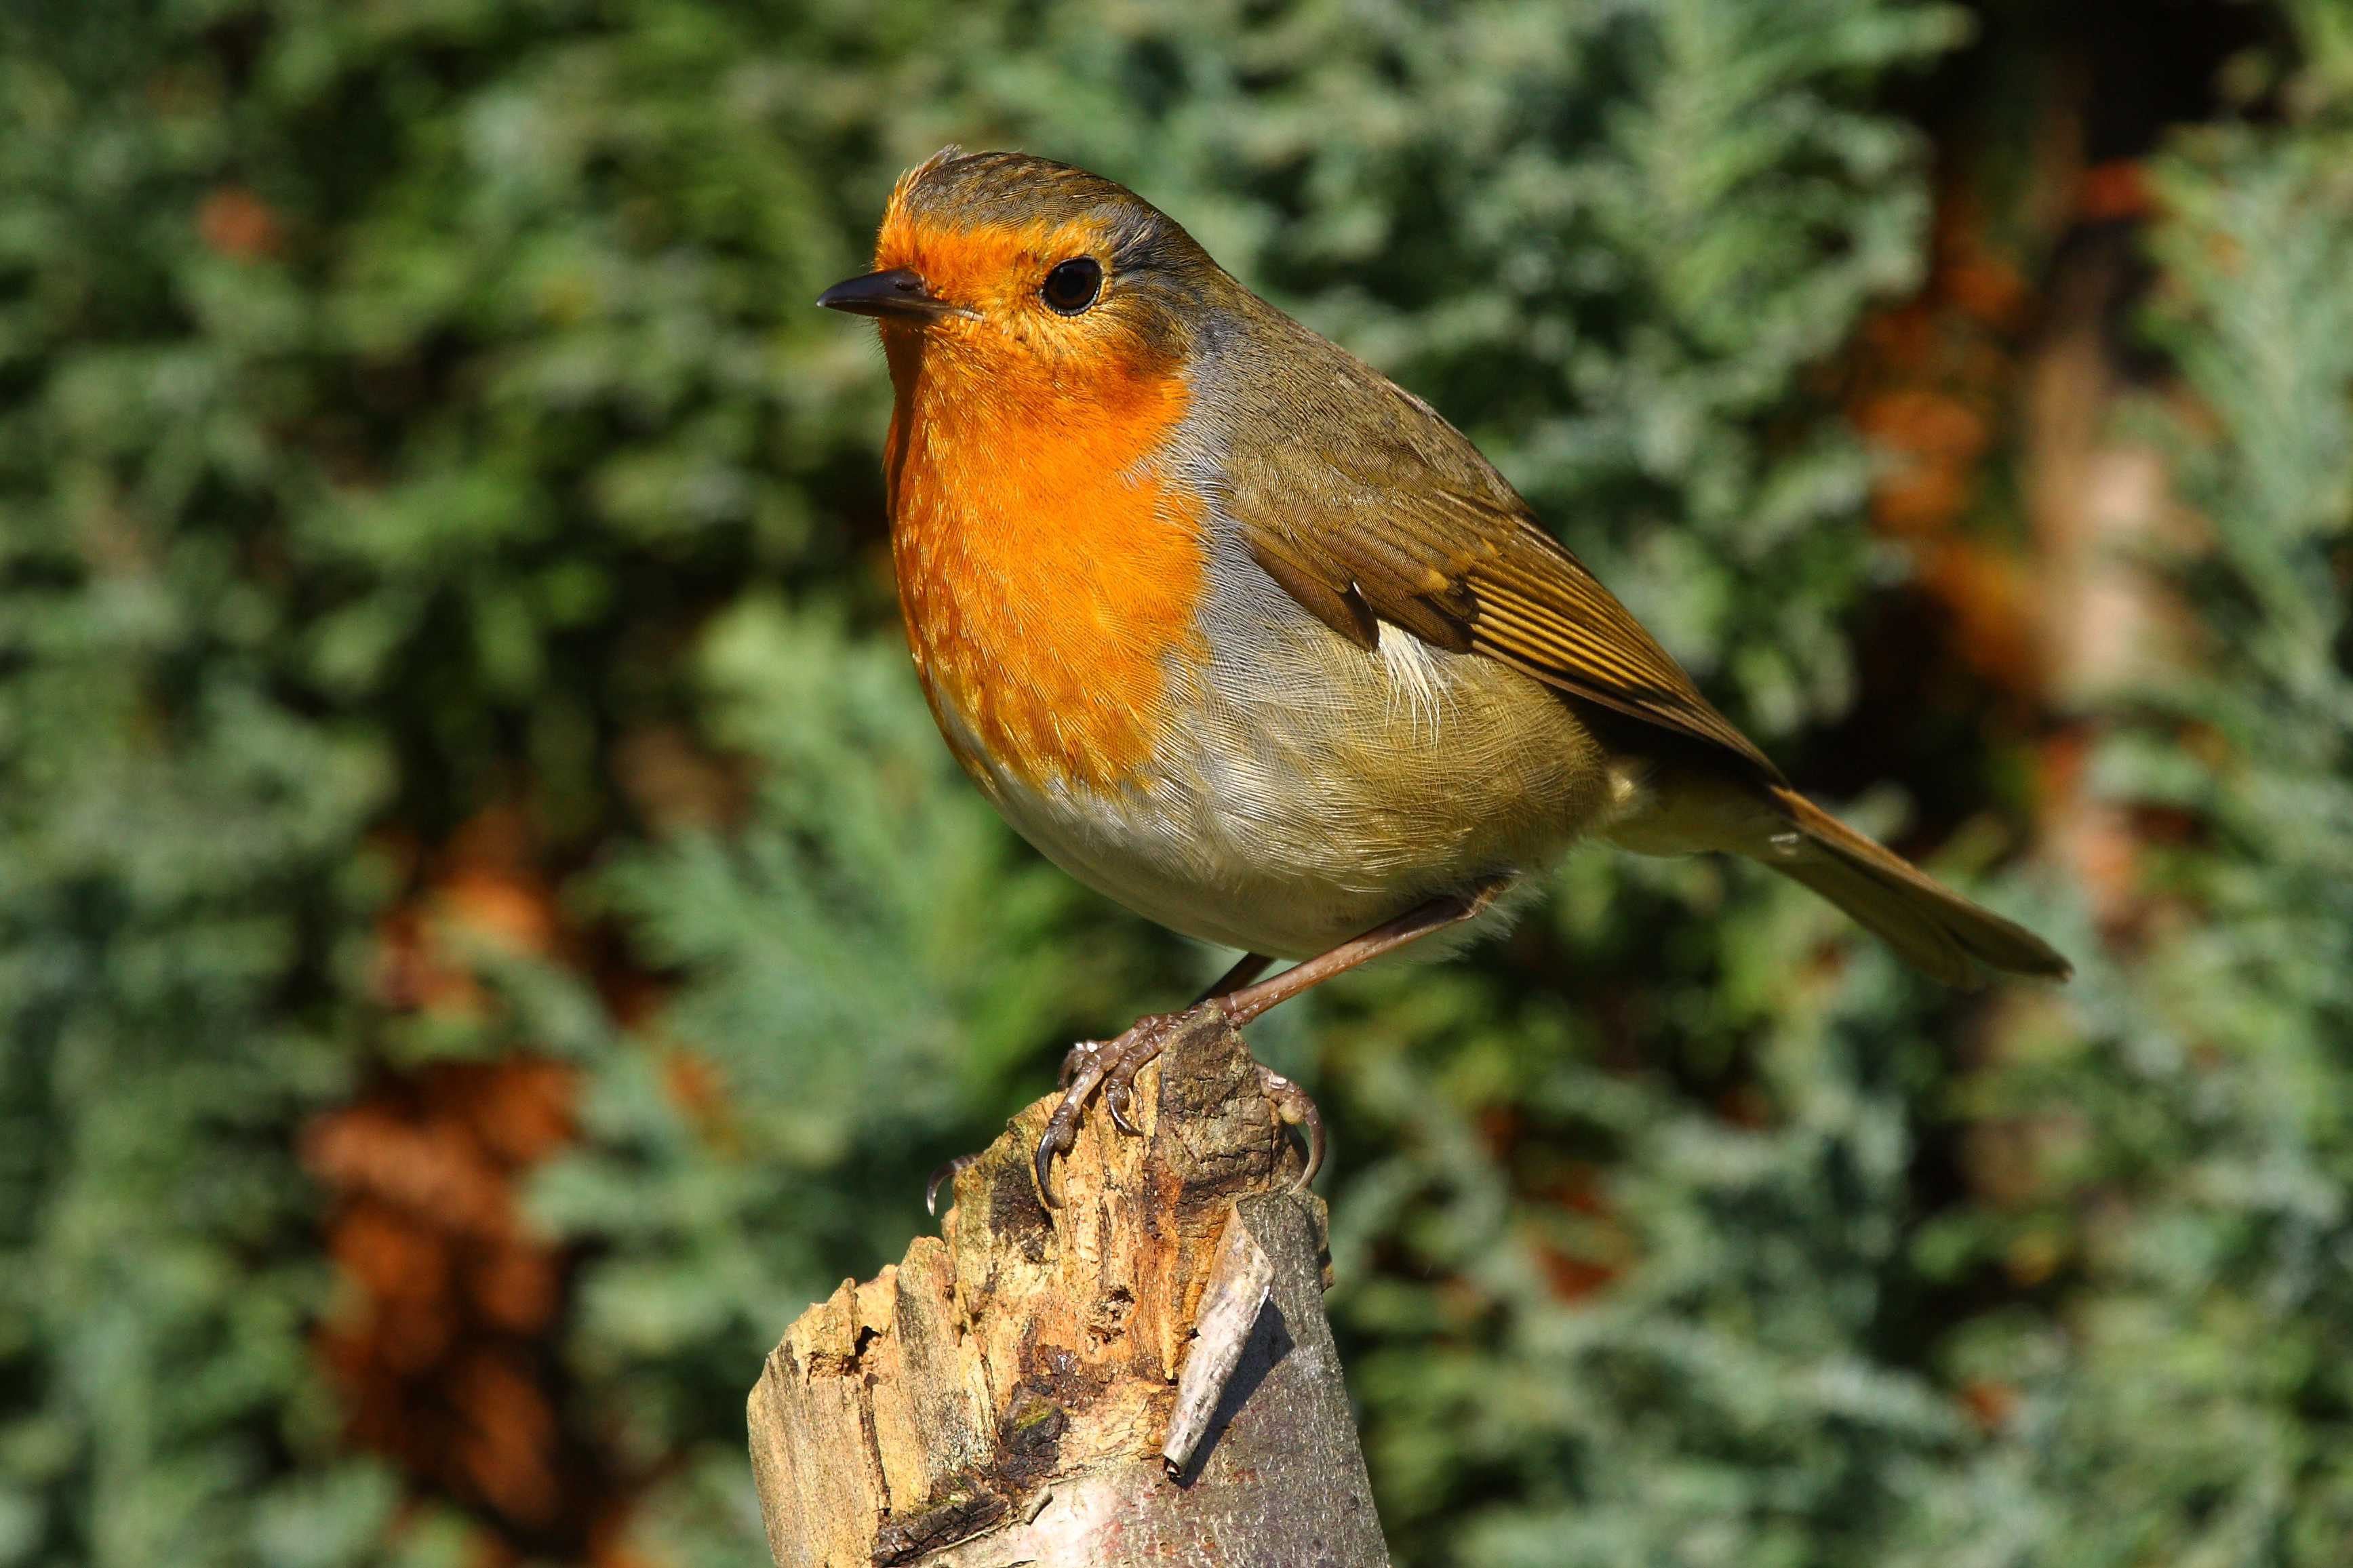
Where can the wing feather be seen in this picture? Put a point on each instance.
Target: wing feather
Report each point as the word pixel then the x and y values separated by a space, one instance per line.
pixel 1366 506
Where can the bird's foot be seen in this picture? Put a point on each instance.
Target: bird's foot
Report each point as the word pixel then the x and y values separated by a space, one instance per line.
pixel 1108 1065
pixel 1092 1064
pixel 1111 1066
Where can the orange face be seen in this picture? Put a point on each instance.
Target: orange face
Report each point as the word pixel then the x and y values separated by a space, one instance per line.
pixel 1047 567
pixel 996 277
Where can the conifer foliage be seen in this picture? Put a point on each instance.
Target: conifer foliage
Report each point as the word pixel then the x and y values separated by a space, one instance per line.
pixel 488 929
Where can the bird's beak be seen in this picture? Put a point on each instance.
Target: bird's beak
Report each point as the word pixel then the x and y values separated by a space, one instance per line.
pixel 897 295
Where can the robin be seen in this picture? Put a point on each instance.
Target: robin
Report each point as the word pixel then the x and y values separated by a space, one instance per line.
pixel 1245 636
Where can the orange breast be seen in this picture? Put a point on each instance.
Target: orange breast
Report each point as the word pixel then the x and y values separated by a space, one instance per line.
pixel 1049 572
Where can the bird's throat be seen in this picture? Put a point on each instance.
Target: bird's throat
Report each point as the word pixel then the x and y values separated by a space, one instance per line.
pixel 1049 568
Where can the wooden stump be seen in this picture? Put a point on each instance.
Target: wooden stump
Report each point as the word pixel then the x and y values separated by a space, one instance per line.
pixel 1001 1396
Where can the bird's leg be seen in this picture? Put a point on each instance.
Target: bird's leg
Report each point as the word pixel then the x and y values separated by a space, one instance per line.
pixel 1247 968
pixel 1248 1002
pixel 1142 1042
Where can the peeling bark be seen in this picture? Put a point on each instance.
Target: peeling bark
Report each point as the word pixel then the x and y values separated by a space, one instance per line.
pixel 1001 1396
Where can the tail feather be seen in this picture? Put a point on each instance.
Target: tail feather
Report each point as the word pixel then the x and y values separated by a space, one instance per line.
pixel 1933 928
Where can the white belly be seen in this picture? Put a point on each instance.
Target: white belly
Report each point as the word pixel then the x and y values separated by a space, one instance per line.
pixel 1307 790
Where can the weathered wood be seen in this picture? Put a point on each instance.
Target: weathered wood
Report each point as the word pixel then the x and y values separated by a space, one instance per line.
pixel 1000 1396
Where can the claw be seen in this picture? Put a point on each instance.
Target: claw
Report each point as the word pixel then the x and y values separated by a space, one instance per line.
pixel 1043 1161
pixel 1296 1110
pixel 947 1171
pixel 1128 1054
pixel 1063 1127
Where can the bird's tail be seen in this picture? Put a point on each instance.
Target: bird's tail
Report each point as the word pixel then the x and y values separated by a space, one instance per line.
pixel 1931 927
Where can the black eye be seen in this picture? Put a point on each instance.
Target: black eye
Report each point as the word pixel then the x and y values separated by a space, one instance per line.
pixel 1071 286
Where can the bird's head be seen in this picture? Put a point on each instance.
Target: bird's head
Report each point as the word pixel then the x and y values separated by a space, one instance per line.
pixel 1012 266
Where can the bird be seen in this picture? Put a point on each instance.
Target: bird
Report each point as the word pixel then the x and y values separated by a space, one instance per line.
pixel 1248 638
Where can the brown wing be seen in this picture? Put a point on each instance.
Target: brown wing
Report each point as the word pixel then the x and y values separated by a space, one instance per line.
pixel 1366 506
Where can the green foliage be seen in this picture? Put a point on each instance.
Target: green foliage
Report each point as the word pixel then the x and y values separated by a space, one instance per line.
pixel 2192 1402
pixel 413 411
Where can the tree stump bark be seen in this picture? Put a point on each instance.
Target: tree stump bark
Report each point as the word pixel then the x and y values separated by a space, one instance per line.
pixel 1002 1395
